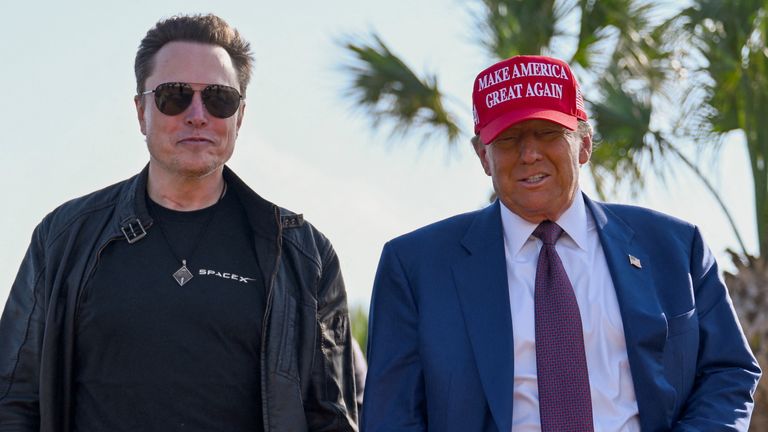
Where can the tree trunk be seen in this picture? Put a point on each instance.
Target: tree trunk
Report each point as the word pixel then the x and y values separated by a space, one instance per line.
pixel 748 287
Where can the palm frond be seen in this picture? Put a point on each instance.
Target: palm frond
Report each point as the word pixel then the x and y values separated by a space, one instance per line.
pixel 623 127
pixel 388 90
pixel 517 27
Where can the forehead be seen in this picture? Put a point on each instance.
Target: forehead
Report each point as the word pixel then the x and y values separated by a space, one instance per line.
pixel 531 124
pixel 194 63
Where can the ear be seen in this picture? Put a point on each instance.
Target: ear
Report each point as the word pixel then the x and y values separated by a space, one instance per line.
pixel 481 150
pixel 585 151
pixel 139 102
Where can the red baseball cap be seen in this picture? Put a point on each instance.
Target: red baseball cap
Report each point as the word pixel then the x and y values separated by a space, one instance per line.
pixel 524 88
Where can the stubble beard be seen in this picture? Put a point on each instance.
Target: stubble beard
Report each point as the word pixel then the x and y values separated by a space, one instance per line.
pixel 183 168
pixel 195 171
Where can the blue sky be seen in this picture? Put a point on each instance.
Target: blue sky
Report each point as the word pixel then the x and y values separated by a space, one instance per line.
pixel 69 125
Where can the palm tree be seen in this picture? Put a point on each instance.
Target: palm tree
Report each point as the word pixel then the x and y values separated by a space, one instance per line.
pixel 730 40
pixel 663 81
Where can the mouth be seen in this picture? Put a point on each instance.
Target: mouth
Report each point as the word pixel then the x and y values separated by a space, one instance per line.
pixel 195 140
pixel 534 179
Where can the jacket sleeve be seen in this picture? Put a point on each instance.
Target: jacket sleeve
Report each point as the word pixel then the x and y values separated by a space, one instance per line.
pixel 395 393
pixel 727 372
pixel 21 337
pixel 331 405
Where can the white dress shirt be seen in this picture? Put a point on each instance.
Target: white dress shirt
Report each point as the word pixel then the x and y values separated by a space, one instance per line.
pixel 614 405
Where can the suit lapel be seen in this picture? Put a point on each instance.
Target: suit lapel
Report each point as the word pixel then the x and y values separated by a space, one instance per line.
pixel 481 283
pixel 645 326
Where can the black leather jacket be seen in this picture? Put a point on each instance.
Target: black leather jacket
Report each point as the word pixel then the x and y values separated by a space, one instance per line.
pixel 306 375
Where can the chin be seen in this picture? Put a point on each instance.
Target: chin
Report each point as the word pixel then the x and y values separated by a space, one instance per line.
pixel 198 170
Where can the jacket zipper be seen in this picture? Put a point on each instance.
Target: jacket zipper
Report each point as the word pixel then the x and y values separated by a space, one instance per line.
pixel 91 271
pixel 265 322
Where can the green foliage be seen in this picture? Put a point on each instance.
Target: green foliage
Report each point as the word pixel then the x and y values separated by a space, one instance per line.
pixel 731 40
pixel 388 89
pixel 620 141
pixel 514 27
pixel 623 32
pixel 359 319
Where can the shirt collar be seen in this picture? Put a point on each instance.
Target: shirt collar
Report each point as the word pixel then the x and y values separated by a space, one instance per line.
pixel 574 221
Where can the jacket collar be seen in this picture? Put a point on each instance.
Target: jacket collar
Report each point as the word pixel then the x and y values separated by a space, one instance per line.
pixel 132 205
pixel 132 215
pixel 262 214
pixel 133 219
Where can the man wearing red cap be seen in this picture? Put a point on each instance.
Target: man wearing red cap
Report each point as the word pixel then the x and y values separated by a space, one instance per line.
pixel 547 310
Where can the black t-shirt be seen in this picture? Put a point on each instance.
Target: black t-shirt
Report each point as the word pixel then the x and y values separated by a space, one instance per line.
pixel 152 355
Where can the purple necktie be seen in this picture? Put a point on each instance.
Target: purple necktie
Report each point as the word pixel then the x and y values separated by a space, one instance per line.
pixel 565 404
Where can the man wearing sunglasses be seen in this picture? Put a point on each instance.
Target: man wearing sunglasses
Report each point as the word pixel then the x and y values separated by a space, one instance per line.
pixel 179 299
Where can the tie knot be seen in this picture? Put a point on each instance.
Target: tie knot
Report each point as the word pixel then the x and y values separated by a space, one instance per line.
pixel 548 232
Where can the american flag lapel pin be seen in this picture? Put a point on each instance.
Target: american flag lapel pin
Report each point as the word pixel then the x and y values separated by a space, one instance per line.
pixel 635 261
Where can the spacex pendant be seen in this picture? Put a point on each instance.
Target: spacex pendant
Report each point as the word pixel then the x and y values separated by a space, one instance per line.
pixel 182 275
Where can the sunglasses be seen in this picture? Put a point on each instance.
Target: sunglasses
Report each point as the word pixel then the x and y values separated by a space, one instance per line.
pixel 174 97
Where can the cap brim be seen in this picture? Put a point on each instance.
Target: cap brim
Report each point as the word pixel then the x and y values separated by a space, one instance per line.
pixel 498 125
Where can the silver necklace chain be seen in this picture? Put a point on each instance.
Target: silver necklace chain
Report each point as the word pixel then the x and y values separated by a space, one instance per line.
pixel 183 275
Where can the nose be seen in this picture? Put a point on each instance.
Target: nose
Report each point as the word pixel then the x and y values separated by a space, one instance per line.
pixel 195 115
pixel 530 151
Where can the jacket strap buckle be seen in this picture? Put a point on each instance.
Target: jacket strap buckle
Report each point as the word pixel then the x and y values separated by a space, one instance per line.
pixel 292 221
pixel 133 230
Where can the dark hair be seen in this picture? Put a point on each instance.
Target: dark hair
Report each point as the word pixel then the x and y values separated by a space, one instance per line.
pixel 208 29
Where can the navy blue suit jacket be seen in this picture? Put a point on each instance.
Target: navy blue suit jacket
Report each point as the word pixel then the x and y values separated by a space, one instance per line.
pixel 440 336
